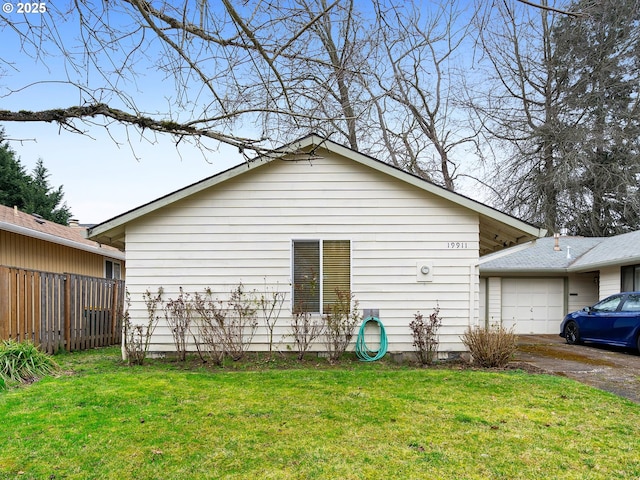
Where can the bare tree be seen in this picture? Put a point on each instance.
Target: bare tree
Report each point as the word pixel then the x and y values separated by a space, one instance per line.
pixel 563 103
pixel 519 109
pixel 218 58
pixel 422 121
pixel 376 76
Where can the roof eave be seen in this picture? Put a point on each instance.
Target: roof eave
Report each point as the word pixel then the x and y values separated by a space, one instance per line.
pixel 517 272
pixel 47 237
pixel 617 262
pixel 111 232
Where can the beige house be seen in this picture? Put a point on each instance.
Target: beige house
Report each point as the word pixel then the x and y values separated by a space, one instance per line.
pixel 533 286
pixel 30 242
pixel 317 216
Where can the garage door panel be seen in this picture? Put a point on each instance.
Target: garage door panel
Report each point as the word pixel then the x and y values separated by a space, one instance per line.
pixel 533 306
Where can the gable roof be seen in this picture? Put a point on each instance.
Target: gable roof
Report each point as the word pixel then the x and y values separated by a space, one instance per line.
pixel 15 221
pixel 576 254
pixel 497 229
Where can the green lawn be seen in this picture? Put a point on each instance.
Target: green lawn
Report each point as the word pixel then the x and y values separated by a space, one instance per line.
pixel 358 421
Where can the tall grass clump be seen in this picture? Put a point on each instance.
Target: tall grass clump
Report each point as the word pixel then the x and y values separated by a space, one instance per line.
pixel 22 362
pixel 490 347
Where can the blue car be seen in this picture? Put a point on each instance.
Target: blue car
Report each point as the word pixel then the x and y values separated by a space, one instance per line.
pixel 612 321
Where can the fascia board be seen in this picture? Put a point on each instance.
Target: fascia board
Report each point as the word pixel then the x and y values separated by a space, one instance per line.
pixel 513 272
pixel 616 262
pixel 506 252
pixel 116 224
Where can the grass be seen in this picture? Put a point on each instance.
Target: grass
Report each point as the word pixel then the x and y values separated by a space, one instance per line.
pixel 104 420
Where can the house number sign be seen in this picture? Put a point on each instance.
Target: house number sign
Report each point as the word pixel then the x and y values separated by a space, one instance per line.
pixel 457 245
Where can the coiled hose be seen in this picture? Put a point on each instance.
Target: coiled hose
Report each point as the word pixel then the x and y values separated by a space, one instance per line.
pixel 362 351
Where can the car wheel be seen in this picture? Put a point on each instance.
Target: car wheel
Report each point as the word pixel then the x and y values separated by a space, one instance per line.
pixel 572 333
pixel 638 344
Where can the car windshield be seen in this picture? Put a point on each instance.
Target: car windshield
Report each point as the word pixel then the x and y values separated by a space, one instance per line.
pixel 631 304
pixel 607 305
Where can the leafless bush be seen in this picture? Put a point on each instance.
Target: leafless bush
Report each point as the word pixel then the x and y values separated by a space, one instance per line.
pixel 490 347
pixel 425 335
pixel 340 324
pixel 178 314
pixel 271 303
pixel 304 329
pixel 224 328
pixel 239 324
pixel 136 338
pixel 210 316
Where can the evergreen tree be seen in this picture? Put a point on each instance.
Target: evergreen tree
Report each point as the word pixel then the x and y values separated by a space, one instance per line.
pixel 41 199
pixel 14 181
pixel 30 193
pixel 598 59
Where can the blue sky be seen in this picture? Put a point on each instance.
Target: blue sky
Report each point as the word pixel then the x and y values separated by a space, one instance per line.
pixel 101 177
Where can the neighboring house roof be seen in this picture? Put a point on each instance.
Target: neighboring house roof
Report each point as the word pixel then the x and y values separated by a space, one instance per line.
pixel 15 221
pixel 622 249
pixel 576 254
pixel 497 229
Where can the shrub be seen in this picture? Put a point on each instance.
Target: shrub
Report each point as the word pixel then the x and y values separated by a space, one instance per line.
pixel 425 335
pixel 23 362
pixel 178 315
pixel 210 319
pixel 340 324
pixel 136 338
pixel 271 302
pixel 304 329
pixel 491 347
pixel 240 324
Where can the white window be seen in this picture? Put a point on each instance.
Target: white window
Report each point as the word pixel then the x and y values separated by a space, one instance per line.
pixel 321 269
pixel 112 269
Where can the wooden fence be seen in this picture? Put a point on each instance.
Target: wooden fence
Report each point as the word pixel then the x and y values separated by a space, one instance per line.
pixel 60 311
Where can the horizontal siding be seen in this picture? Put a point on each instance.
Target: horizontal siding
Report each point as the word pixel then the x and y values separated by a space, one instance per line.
pixel 34 254
pixel 241 231
pixel 583 291
pixel 610 281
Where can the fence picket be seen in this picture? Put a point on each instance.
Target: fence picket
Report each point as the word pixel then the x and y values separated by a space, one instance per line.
pixel 59 311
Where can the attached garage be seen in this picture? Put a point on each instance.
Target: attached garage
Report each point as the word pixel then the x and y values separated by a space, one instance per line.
pixel 533 286
pixel 533 305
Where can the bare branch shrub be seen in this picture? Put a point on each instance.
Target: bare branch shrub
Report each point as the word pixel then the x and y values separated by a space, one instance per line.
pixel 491 347
pixel 210 315
pixel 239 324
pixel 178 315
pixel 304 329
pixel 271 303
pixel 425 335
pixel 340 324
pixel 136 338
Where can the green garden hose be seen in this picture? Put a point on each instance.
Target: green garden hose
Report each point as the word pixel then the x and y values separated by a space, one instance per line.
pixel 362 351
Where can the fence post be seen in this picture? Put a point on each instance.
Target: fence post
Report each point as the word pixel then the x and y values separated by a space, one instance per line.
pixel 114 311
pixel 37 310
pixel 67 311
pixel 5 308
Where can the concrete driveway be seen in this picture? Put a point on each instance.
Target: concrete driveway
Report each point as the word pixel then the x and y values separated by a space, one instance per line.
pixel 612 369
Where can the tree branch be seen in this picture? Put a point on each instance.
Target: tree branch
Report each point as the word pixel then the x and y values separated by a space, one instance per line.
pixel 65 117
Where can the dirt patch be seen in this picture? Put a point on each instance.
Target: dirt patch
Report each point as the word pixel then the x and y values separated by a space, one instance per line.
pixel 608 368
pixel 562 353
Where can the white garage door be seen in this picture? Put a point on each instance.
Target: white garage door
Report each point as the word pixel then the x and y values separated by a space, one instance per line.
pixel 533 305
